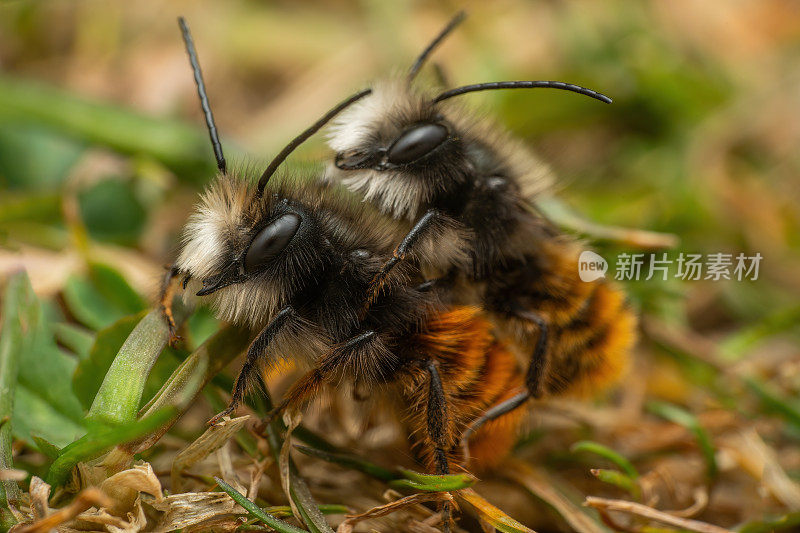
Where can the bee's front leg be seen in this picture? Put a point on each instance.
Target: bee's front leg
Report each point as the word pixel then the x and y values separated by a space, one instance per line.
pixel 256 350
pixel 166 294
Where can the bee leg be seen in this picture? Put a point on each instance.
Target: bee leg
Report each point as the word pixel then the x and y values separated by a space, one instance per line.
pixel 438 429
pixel 400 253
pixel 166 294
pixel 250 367
pixel 496 411
pixel 534 379
pixel 342 355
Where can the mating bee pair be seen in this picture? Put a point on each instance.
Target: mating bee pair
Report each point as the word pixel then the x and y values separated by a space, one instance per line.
pixel 478 276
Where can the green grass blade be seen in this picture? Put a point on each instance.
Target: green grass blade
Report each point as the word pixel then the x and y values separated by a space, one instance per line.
pixel 119 397
pixel 415 481
pixel 680 416
pixel 306 505
pixel 190 377
pixel 350 461
pixel 256 511
pixel 181 148
pixel 403 479
pixel 77 339
pixel 458 481
pixel 46 447
pixel 91 371
pixel 618 479
pixel 298 490
pixel 606 453
pixel 20 313
pixel 99 440
pixel 773 402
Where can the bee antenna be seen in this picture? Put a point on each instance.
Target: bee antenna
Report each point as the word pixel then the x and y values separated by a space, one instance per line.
pixel 201 92
pixel 455 21
pixel 522 85
pixel 300 139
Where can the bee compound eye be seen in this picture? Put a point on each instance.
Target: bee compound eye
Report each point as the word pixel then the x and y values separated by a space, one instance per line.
pixel 416 143
pixel 271 241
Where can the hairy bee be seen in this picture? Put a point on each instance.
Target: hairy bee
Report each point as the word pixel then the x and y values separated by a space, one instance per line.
pixel 421 158
pixel 294 259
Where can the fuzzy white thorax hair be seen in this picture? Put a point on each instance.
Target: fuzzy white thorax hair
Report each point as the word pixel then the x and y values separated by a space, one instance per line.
pixel 394 192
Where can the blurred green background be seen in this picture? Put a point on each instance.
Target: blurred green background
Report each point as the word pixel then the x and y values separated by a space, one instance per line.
pixel 100 128
pixel 103 149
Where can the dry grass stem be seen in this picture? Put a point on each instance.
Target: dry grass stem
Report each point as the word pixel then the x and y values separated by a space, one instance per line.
pixel 638 509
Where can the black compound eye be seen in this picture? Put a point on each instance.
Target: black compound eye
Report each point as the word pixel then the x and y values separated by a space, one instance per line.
pixel 416 142
pixel 271 241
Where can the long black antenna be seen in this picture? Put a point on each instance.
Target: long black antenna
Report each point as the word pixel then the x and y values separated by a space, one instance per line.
pixel 455 21
pixel 300 139
pixel 522 85
pixel 201 92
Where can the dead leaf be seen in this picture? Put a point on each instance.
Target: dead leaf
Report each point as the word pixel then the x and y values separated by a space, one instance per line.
pixel 87 498
pixel 211 440
pixel 193 508
pixel 539 483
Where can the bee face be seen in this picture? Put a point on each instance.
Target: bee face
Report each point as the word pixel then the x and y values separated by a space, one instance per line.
pixel 268 243
pixel 413 145
pixel 398 148
pixel 240 247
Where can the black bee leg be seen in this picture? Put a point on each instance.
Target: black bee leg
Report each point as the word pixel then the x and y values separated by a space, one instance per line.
pixel 438 430
pixel 533 381
pixel 166 293
pixel 496 411
pixel 400 253
pixel 360 348
pixel 254 352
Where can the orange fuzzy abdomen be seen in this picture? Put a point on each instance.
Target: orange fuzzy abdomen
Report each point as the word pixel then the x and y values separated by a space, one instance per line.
pixel 591 327
pixel 477 372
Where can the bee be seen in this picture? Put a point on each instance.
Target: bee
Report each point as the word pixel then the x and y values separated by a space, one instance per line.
pixel 421 159
pixel 294 258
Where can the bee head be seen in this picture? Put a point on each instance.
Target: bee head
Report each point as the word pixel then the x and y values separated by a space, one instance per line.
pixel 403 151
pixel 248 246
pixel 240 246
pixel 398 148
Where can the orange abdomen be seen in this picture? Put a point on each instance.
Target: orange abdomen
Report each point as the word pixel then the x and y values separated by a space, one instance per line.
pixel 591 327
pixel 477 372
